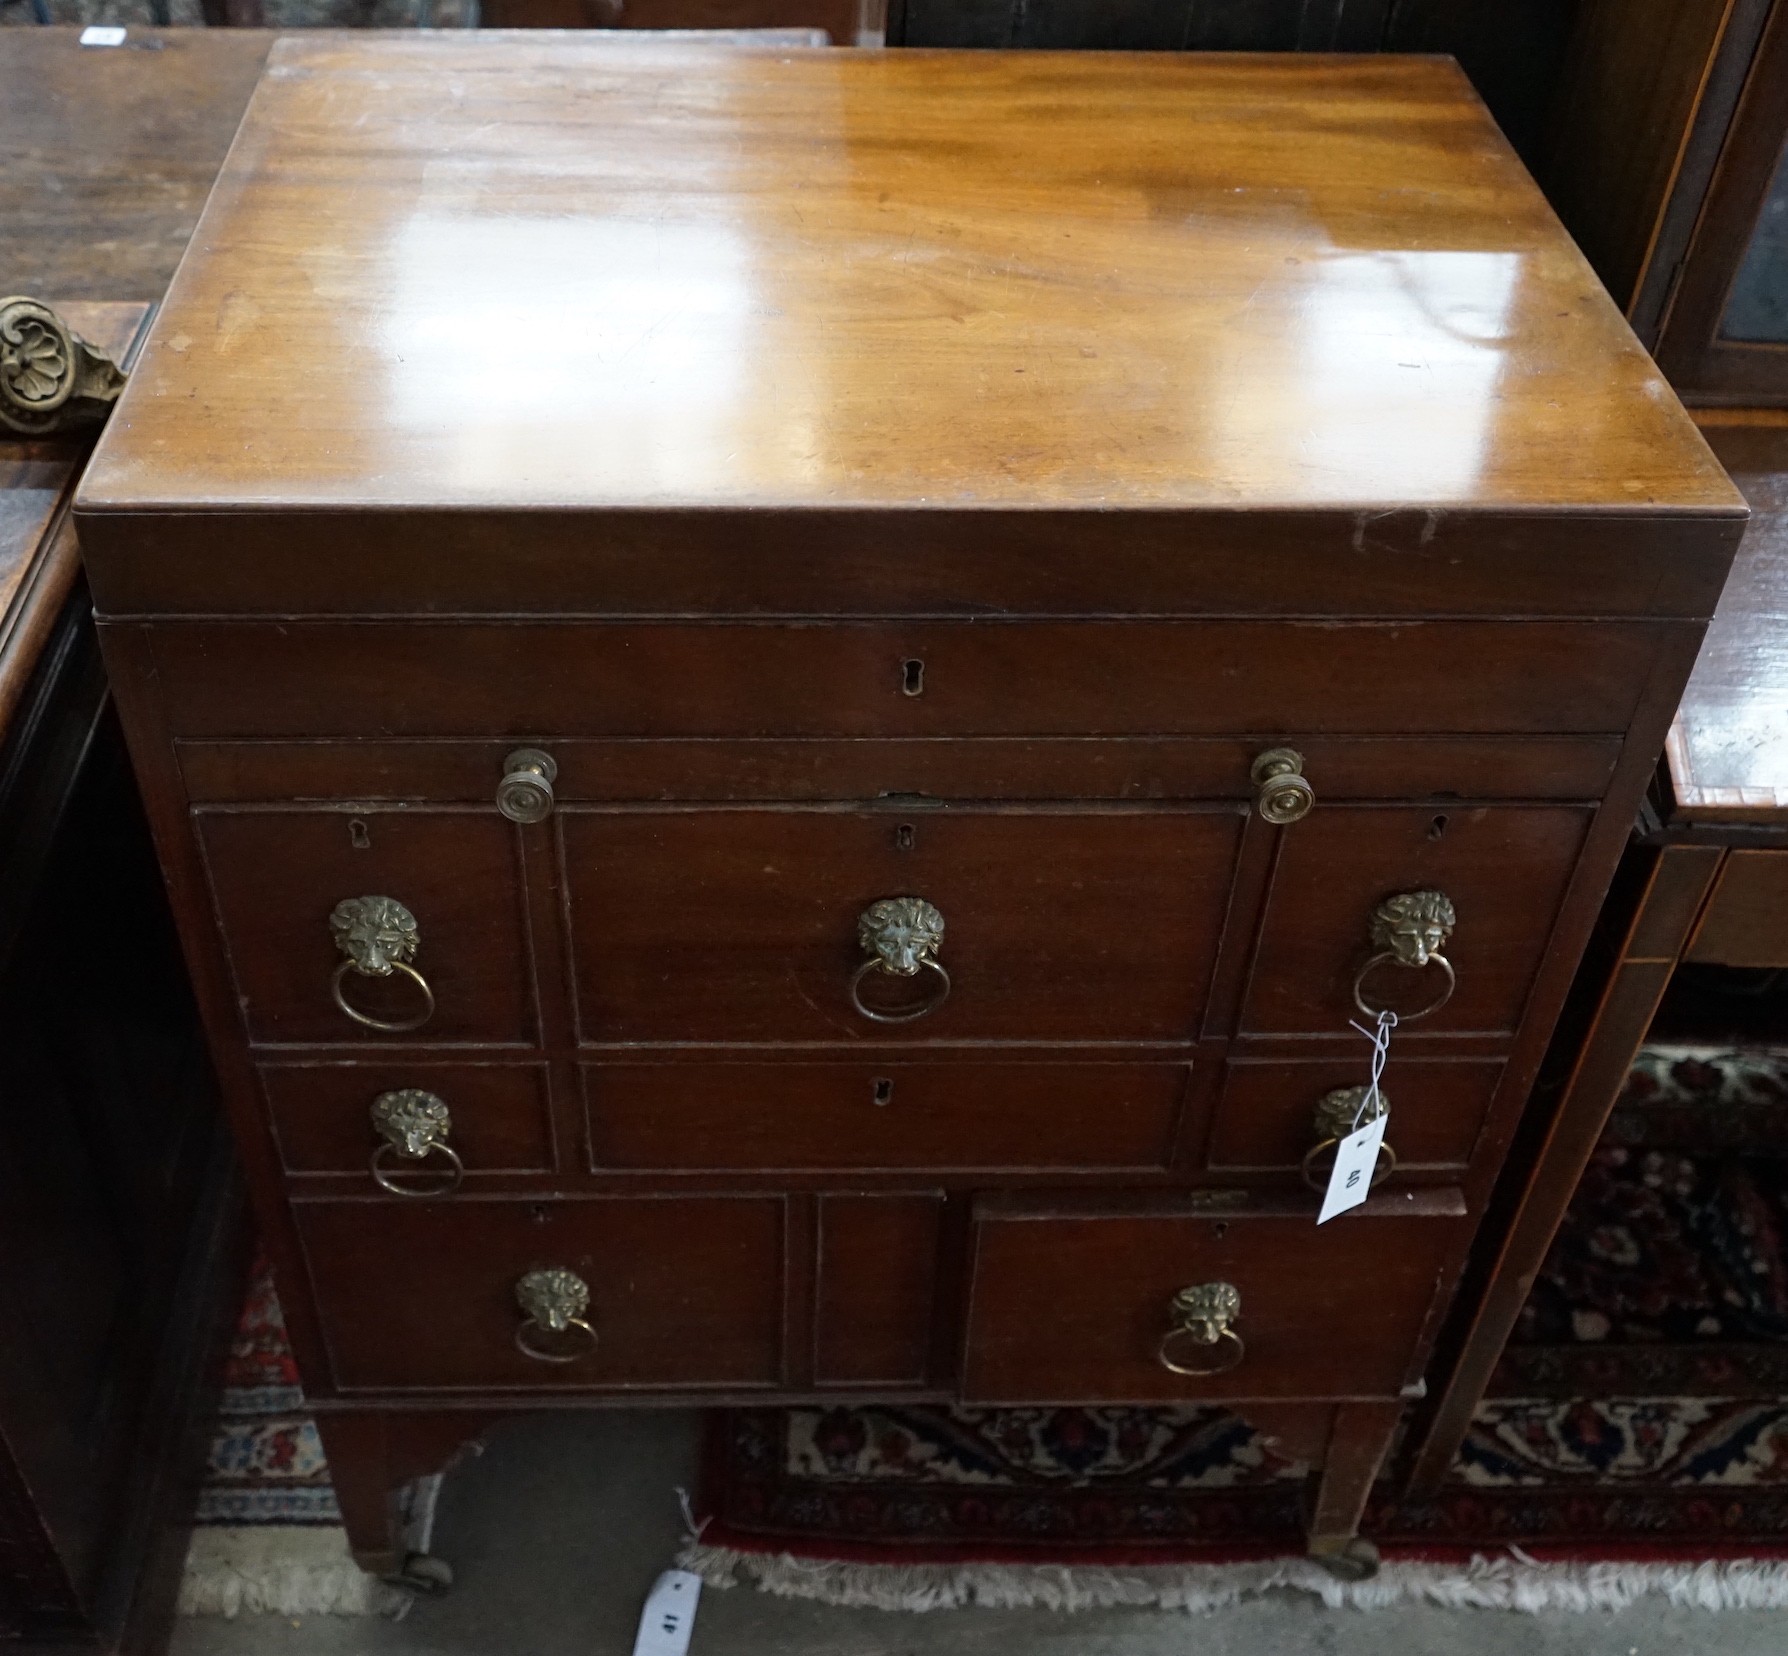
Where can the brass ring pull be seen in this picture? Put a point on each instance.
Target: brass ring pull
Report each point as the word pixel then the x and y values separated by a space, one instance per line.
pixel 378 936
pixel 1409 931
pixel 901 936
pixel 448 1179
pixel 554 1301
pixel 1339 1113
pixel 414 1126
pixel 1201 1319
pixel 1281 794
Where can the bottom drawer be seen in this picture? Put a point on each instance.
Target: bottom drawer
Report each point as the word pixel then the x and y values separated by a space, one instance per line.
pixel 682 1291
pixel 1075 1302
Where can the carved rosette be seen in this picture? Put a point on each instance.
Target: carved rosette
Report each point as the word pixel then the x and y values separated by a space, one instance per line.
pixel 51 379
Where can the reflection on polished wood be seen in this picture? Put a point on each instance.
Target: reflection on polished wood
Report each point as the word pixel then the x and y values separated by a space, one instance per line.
pixel 1729 746
pixel 913 279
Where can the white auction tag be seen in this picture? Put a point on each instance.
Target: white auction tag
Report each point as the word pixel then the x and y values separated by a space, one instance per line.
pixel 668 1620
pixel 1356 1156
pixel 95 35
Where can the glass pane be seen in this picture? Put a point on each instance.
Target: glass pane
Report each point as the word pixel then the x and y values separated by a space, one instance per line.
pixel 1758 308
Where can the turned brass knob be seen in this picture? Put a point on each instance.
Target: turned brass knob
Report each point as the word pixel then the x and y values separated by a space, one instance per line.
pixel 1338 1114
pixel 1281 793
pixel 553 1302
pixel 1200 1317
pixel 377 936
pixel 525 794
pixel 1408 932
pixel 901 936
pixel 412 1127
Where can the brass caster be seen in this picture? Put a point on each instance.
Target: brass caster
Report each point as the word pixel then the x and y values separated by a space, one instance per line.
pixel 1356 1560
pixel 424 1575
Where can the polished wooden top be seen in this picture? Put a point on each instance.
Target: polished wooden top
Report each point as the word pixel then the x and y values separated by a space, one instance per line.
pixel 1728 749
pixel 440 271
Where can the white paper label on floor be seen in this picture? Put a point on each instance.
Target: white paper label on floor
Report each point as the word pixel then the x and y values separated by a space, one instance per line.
pixel 668 1619
pixel 97 36
pixel 1355 1158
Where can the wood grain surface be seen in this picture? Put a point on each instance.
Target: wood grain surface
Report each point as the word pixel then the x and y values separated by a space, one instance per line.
pixel 907 279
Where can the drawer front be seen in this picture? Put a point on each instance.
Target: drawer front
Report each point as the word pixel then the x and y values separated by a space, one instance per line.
pixel 277 877
pixel 884 1114
pixel 496 1119
pixel 683 1291
pixel 1068 1308
pixel 900 679
pixel 1265 1120
pixel 1746 920
pixel 1504 868
pixel 1059 925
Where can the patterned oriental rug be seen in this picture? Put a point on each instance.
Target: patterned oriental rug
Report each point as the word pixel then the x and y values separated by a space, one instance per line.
pixel 1636 1439
pixel 1637 1428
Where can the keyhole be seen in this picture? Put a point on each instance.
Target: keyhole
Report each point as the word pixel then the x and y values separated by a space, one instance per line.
pixel 1220 1230
pixel 358 837
pixel 1437 827
pixel 884 1091
pixel 904 837
pixel 538 1214
pixel 912 678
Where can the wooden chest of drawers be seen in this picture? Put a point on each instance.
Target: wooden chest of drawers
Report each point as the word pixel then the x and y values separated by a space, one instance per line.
pixel 792 698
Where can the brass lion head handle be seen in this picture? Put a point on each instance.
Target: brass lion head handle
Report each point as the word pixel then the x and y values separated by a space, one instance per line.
pixel 377 936
pixel 412 1126
pixel 1339 1113
pixel 51 379
pixel 1409 931
pixel 1199 1339
pixel 1281 794
pixel 901 936
pixel 553 1302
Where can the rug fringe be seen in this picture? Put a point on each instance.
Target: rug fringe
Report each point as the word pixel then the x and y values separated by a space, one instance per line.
pixel 282 1570
pixel 1507 1583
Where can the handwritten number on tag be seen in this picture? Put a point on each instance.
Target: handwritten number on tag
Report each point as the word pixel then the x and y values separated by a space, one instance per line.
pixel 1356 1156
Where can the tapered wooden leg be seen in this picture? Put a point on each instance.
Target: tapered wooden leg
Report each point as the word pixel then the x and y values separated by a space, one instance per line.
pixel 359 1466
pixel 1358 1444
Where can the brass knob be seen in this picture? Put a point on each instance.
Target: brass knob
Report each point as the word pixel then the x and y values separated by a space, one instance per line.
pixel 901 936
pixel 1408 932
pixel 378 936
pixel 412 1127
pixel 1200 1317
pixel 1282 795
pixel 553 1302
pixel 525 794
pixel 1339 1113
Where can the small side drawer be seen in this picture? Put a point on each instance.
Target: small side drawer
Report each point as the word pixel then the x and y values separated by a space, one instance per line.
pixel 497 1118
pixel 278 875
pixel 683 1291
pixel 1266 1118
pixel 1072 1302
pixel 1502 868
pixel 1746 921
pixel 884 1114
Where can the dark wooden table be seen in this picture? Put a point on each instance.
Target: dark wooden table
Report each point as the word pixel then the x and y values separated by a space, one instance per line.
pixel 1705 881
pixel 111 152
